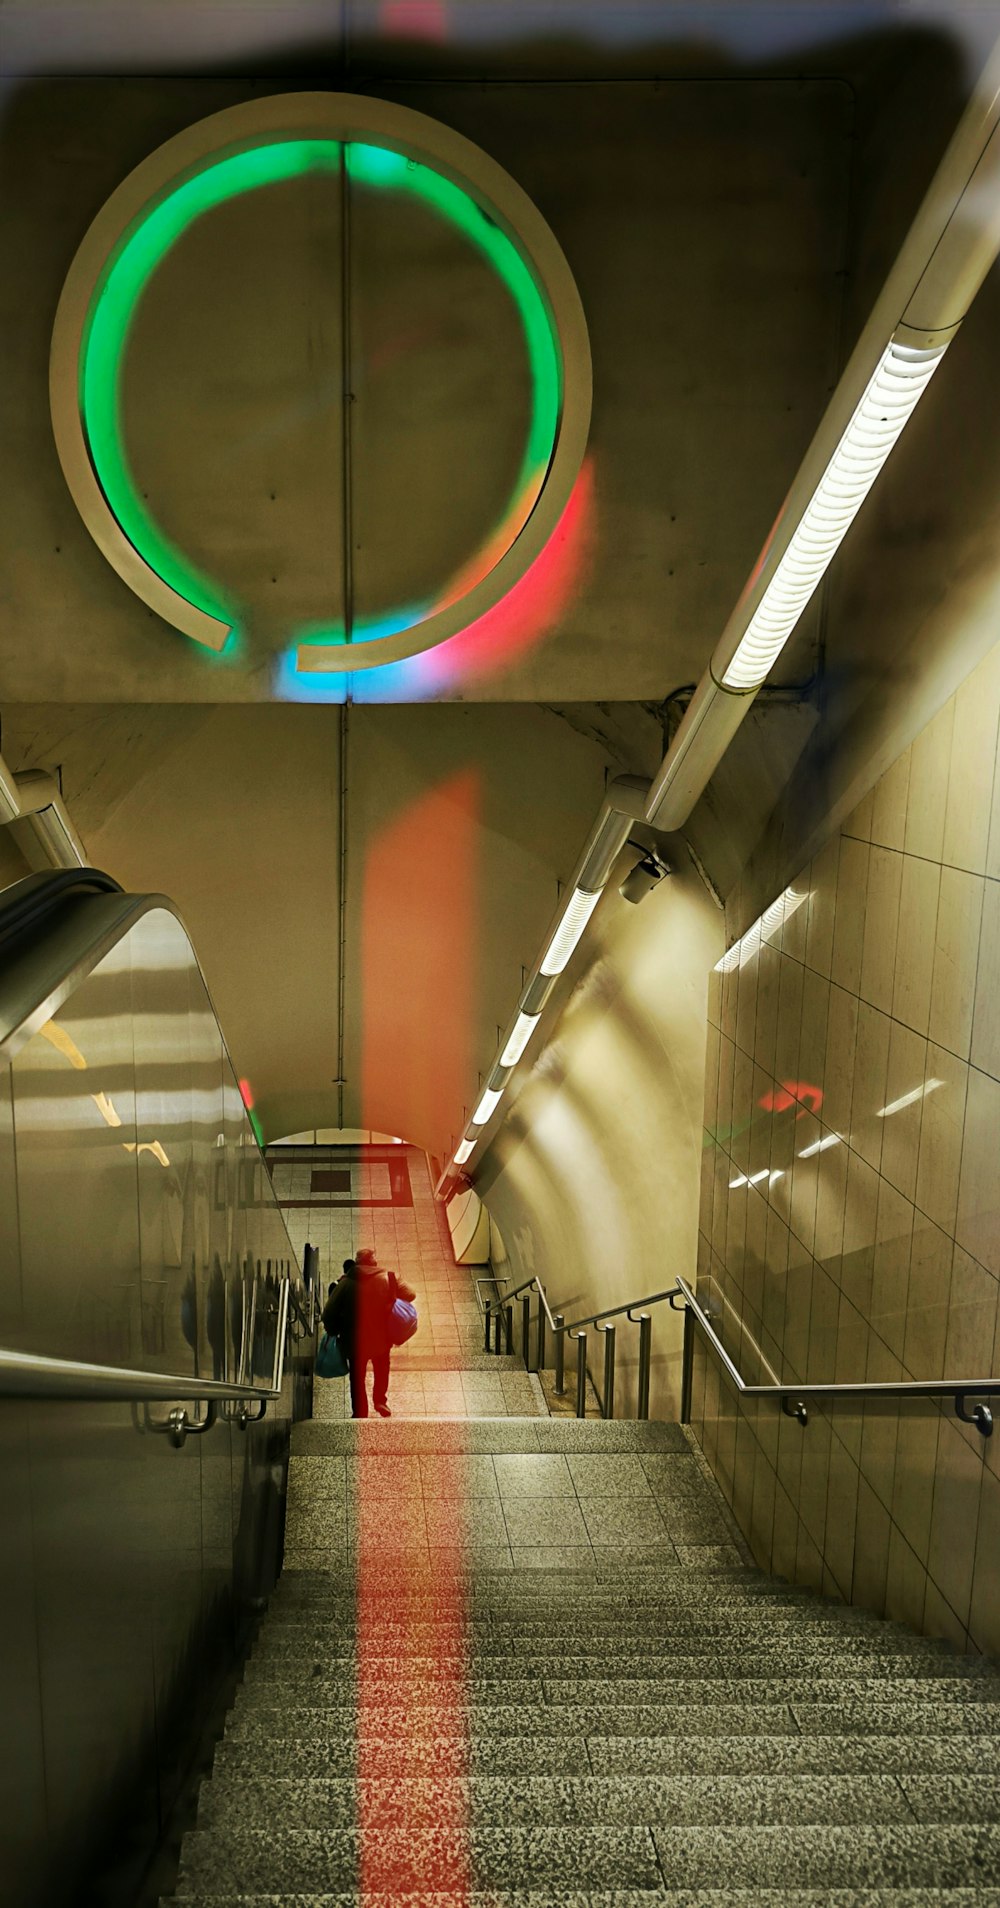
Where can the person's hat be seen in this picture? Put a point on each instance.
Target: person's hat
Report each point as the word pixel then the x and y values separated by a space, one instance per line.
pixel 365 1257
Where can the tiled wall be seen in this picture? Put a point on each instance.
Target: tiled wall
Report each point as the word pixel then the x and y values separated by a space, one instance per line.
pixel 850 1212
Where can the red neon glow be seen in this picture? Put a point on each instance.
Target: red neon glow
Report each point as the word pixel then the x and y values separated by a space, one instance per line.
pixel 414 19
pixel 245 1094
pixel 526 615
pixel 537 600
pixel 418 945
pixel 792 1093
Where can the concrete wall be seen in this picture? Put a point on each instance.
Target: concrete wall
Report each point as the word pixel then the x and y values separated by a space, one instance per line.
pixel 865 1018
pixel 593 1178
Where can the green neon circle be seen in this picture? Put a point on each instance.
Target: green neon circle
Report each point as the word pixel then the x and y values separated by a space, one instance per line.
pixel 157 229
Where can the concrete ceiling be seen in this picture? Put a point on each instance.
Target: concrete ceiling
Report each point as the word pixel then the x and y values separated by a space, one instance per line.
pixel 729 185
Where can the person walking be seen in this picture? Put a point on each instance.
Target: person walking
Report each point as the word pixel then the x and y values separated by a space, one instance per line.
pixel 358 1315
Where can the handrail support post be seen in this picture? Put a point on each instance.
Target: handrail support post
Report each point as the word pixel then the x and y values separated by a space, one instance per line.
pixel 645 1361
pixel 560 1356
pixel 581 1374
pixel 608 1409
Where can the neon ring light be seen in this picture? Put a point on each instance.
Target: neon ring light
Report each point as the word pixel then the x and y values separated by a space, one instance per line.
pixel 383 146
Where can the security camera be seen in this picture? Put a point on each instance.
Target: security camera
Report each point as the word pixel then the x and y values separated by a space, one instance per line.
pixel 643 878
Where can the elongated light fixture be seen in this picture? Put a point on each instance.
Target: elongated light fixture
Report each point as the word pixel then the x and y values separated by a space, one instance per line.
pixel 569 931
pixel 487 1106
pixel 898 382
pixel 521 1032
pixel 950 247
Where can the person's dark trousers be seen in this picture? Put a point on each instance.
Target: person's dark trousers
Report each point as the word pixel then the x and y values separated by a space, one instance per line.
pixel 358 1367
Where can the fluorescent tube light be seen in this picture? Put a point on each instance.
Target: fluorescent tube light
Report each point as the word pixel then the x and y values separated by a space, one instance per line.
pixel 899 381
pixel 741 1181
pixel 908 1099
pixel 524 1027
pixel 748 944
pixel 487 1106
pixel 754 1179
pixel 820 1146
pixel 463 1151
pixel 568 933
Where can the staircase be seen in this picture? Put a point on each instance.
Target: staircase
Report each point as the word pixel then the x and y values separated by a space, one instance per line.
pixel 523 1662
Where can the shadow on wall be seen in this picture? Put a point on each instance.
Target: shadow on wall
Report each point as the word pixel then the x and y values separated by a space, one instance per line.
pixel 593 1179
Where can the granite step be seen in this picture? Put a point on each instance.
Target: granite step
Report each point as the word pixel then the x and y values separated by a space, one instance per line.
pixel 723 1713
pixel 388 1695
pixel 304 1860
pixel 297 1678
pixel 491 1436
pixel 618 1800
pixel 549 1635
pixel 831 1855
pixel 931 1897
pixel 934 1759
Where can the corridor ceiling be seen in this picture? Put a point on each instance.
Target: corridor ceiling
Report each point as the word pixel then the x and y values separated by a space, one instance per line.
pixel 729 184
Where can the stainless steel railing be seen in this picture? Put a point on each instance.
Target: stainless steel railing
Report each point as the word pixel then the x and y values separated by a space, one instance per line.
pixel 32 1375
pixel 793 1397
pixel 498 1317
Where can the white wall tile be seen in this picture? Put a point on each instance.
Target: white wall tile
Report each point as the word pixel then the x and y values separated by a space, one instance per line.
pixel 841 1043
pixel 878 960
pixel 821 904
pixel 978 1226
pixel 973 753
pixel 768 981
pixel 985 1049
pixel 906 1071
pixel 942 1127
pixel 956 948
pixel 871 1067
pixel 927 793
pixel 859 823
pixel 888 827
pixel 918 904
pixel 849 923
pixel 931 1252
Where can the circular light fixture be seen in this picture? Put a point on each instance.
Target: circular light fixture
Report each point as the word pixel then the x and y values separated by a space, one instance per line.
pixel 367 143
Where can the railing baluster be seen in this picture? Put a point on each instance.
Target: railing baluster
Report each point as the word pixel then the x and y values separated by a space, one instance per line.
pixel 497 1328
pixel 609 1370
pixel 645 1360
pixel 560 1356
pixel 526 1329
pixel 540 1362
pixel 581 1374
pixel 687 1367
pixel 487 1316
pixel 509 1328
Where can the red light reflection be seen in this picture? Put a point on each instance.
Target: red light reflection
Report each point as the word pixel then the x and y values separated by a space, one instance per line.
pixel 792 1093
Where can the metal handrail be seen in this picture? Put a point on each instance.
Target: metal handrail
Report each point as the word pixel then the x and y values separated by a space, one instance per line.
pixel 616 1311
pixel 33 1375
pixel 793 1395
pixel 501 1318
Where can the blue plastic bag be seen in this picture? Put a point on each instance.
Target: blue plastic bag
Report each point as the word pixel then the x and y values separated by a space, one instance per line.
pixel 330 1360
pixel 402 1321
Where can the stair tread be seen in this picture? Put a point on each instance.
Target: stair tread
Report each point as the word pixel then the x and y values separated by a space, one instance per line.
pixel 626 1800
pixel 622 1732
